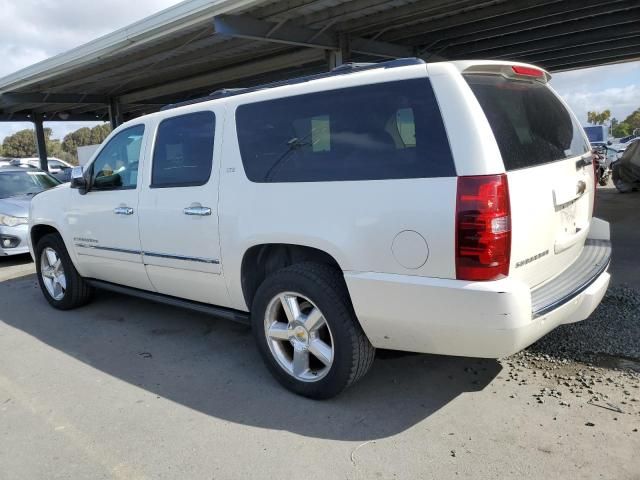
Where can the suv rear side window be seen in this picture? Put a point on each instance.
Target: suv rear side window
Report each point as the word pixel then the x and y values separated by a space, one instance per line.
pixel 183 153
pixel 530 124
pixel 373 132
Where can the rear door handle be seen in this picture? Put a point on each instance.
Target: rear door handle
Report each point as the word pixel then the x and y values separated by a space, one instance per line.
pixel 123 211
pixel 200 211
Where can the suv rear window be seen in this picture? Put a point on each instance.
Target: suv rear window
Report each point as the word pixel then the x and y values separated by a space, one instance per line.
pixel 530 124
pixel 373 132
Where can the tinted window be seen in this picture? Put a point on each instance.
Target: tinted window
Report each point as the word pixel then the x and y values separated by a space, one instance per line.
pixel 116 166
pixel 183 153
pixel 373 132
pixel 529 122
pixel 15 183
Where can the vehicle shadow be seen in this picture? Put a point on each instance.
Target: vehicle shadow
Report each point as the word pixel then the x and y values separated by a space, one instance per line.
pixel 15 266
pixel 15 260
pixel 212 366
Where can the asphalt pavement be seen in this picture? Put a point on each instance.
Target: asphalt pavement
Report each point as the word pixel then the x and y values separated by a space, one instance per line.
pixel 129 389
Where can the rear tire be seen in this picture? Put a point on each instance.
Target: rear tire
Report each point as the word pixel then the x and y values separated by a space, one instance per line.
pixel 59 280
pixel 304 311
pixel 620 185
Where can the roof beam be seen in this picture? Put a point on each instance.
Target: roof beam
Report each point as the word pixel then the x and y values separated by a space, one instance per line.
pixel 28 117
pixel 473 48
pixel 600 58
pixel 226 75
pixel 10 99
pixel 563 54
pixel 244 26
pixel 507 18
pixel 591 63
pixel 624 32
pixel 349 20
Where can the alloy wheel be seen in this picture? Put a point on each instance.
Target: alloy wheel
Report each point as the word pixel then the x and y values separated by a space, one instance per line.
pixel 52 273
pixel 299 337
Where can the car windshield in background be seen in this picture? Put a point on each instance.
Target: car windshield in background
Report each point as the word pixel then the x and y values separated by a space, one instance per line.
pixel 16 183
pixel 530 124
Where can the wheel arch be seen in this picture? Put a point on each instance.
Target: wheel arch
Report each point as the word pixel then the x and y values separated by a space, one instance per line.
pixel 261 260
pixel 36 232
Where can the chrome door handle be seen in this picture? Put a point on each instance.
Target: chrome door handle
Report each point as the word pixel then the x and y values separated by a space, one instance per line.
pixel 123 211
pixel 200 211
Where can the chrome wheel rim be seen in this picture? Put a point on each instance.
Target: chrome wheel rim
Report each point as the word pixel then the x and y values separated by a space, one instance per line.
pixel 299 337
pixel 52 273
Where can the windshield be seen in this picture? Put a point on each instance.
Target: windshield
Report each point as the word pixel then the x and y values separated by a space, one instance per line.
pixel 530 124
pixel 15 183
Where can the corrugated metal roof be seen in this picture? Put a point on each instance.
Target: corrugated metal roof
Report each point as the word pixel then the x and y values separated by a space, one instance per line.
pixel 177 53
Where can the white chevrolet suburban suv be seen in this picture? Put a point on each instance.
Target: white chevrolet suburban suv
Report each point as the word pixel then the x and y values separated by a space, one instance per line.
pixel 442 208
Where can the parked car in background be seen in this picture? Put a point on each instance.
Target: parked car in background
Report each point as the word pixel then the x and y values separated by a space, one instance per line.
pixel 442 208
pixel 17 187
pixel 55 164
pixel 626 170
pixel 617 149
pixel 57 168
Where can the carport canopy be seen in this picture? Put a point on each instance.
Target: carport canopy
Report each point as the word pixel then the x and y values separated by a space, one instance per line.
pixel 199 46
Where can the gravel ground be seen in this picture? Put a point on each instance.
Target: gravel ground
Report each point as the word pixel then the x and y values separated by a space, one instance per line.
pixel 595 362
pixel 611 335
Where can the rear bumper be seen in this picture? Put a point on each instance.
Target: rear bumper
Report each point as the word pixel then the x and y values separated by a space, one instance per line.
pixel 475 319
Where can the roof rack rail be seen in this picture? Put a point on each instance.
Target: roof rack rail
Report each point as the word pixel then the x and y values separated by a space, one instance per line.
pixel 343 69
pixel 223 92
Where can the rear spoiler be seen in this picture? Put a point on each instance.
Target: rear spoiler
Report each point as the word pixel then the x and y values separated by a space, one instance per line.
pixel 510 70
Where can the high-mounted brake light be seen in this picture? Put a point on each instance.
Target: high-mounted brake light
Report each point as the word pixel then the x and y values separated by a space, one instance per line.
pixel 527 71
pixel 483 228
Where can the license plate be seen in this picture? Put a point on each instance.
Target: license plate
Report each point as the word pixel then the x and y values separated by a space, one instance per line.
pixel 568 219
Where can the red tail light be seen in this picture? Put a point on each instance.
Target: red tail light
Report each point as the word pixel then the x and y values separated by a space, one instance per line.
pixel 596 166
pixel 483 228
pixel 527 71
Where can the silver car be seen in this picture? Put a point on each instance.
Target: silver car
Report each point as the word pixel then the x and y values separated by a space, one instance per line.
pixel 17 186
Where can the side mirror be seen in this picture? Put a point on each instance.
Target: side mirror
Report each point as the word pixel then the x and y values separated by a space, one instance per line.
pixel 608 142
pixel 78 180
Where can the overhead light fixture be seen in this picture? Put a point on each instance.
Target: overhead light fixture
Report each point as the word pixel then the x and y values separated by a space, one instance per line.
pixel 63 115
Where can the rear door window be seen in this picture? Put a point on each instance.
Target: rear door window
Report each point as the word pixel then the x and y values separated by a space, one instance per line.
pixel 183 153
pixel 373 132
pixel 530 124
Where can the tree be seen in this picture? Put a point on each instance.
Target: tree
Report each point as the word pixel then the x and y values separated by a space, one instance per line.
pixel 23 144
pixel 99 133
pixel 598 118
pixel 84 136
pixel 627 126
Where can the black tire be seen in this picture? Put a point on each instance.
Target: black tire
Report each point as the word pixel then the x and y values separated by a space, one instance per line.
pixel 620 185
pixel 603 181
pixel 325 287
pixel 78 291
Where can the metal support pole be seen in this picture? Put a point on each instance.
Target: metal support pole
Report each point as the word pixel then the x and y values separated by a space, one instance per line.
pixel 115 117
pixel 340 56
pixel 334 57
pixel 41 142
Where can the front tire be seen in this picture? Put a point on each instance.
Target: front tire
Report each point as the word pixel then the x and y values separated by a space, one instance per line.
pixel 60 282
pixel 307 332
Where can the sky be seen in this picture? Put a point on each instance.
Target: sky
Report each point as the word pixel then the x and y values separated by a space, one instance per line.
pixel 33 30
